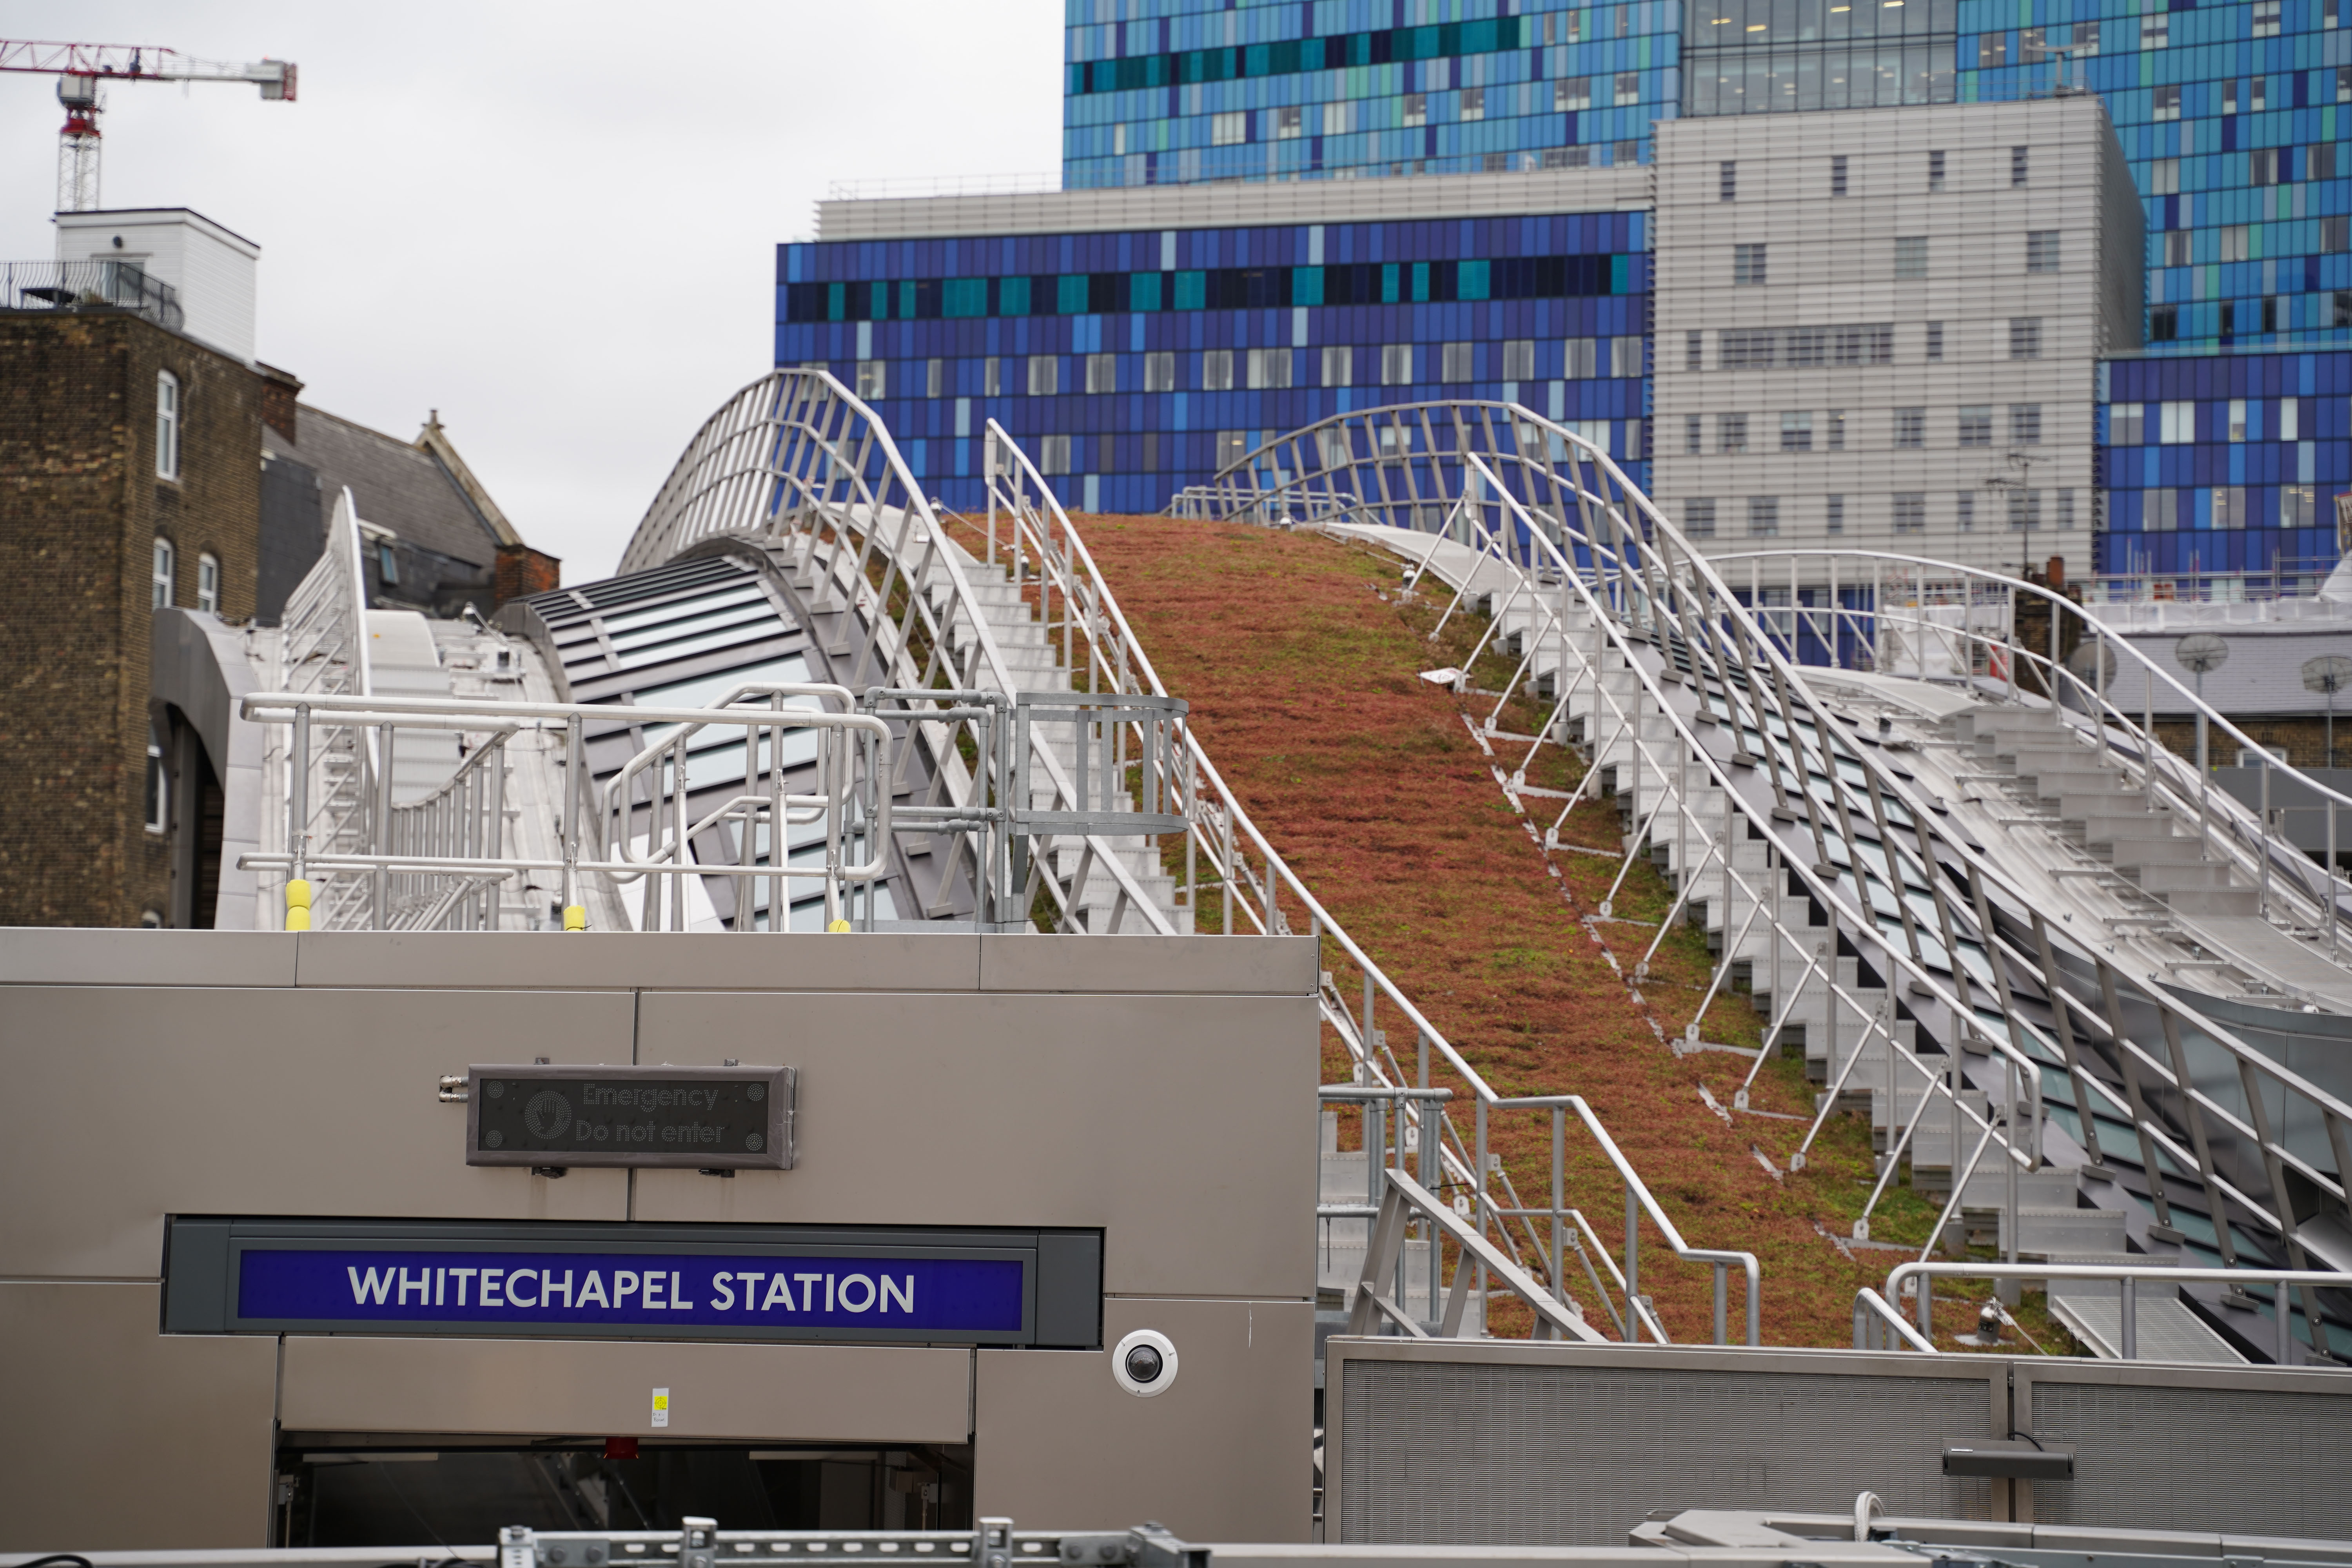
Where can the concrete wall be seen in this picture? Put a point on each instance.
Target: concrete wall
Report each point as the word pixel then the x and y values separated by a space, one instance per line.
pixel 1158 1088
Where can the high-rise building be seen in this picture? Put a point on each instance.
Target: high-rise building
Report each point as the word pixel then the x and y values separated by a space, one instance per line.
pixel 2093 268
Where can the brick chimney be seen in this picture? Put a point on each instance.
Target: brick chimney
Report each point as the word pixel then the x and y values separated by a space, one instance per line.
pixel 280 389
pixel 522 571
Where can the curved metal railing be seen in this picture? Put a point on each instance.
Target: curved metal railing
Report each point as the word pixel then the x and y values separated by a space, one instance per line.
pixel 1564 530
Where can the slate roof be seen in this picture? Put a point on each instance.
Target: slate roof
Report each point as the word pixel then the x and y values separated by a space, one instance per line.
pixel 396 485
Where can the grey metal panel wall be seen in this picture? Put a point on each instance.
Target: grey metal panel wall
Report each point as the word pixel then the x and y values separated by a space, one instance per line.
pixel 2253 1451
pixel 1463 1452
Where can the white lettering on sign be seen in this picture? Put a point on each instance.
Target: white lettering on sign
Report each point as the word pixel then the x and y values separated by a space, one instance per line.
pixel 653 1289
pixel 648 1099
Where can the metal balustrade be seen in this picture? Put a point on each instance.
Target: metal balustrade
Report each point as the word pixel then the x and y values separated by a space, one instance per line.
pixel 1717 737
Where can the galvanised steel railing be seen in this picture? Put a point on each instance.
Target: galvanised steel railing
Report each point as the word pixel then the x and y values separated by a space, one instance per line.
pixel 1561 530
pixel 329 785
pixel 89 286
pixel 1030 533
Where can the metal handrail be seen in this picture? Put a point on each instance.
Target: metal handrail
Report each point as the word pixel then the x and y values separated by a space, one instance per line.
pixel 1133 665
pixel 90 285
pixel 1920 1278
pixel 1877 1324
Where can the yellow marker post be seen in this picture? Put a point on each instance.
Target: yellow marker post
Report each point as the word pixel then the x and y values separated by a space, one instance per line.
pixel 838 925
pixel 575 917
pixel 298 904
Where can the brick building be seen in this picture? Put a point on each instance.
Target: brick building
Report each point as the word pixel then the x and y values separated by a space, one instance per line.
pixel 128 481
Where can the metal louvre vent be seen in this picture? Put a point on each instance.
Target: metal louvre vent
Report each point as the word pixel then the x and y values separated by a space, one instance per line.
pixel 2207 1460
pixel 1564 1455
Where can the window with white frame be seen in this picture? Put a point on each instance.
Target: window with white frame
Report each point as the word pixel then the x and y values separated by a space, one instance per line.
pixel 1338 364
pixel 1159 371
pixel 1520 359
pixel 2267 18
pixel 1474 103
pixel 160 573
pixel 1338 118
pixel 2155 31
pixel 2237 419
pixel 1416 109
pixel 1581 359
pixel 2177 423
pixel 2164 103
pixel 873 378
pixel 1228 130
pixel 1455 361
pixel 208 582
pixel 1570 93
pixel 1102 373
pixel 1269 368
pixel 1217 370
pixel 159 782
pixel 167 425
pixel 1289 121
pixel 1044 376
pixel 1396 365
pixel 1628 92
pixel 1625 357
pixel 2125 423
pixel 1053 455
pixel 2164 178
pixel 2290 419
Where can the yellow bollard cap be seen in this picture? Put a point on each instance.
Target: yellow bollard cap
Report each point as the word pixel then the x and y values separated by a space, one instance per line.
pixel 838 925
pixel 575 917
pixel 298 894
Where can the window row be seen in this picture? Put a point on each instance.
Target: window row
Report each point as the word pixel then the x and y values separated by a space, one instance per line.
pixel 2235 242
pixel 1809 430
pixel 162 578
pixel 1749 262
pixel 2175 423
pixel 1155 451
pixel 1905 511
pixel 1227 370
pixel 2225 507
pixel 1727 176
pixel 2234 317
pixel 2164 101
pixel 1815 348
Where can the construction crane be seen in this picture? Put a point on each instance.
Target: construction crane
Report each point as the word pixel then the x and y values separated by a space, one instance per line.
pixel 83 70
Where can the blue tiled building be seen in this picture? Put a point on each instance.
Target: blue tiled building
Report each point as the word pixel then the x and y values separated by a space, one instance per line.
pixel 1178 91
pixel 1131 364
pixel 2221 464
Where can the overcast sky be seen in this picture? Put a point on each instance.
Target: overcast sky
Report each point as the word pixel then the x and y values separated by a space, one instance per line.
pixel 555 222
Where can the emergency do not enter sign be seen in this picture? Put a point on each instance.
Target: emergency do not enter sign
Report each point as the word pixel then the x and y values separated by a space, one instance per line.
pixel 730 1118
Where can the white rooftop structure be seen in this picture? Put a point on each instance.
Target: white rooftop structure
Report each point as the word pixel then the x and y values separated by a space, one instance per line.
pixel 209 267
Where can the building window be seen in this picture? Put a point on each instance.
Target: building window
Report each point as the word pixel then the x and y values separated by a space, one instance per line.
pixel 1872 344
pixel 1629 93
pixel 1911 512
pixel 2164 178
pixel 1911 256
pixel 2041 250
pixel 208 582
pixel 2230 507
pixel 1698 518
pixel 2237 241
pixel 1217 370
pixel 1159 371
pixel 2177 424
pixel 2025 423
pixel 1976 425
pixel 1053 455
pixel 1474 103
pixel 2289 418
pixel 387 563
pixel 1625 357
pixel 2018 164
pixel 1453 362
pixel 2166 103
pixel 2126 421
pixel 1694 434
pixel 935 377
pixel 1269 368
pixel 2342 313
pixel 2344 84
pixel 1935 342
pixel 167 427
pixel 159 783
pixel 2159 512
pixel 1290 120
pixel 1102 373
pixel 1338 365
pixel 2319 161
pixel 2267 18
pixel 1151 451
pixel 1837 175
pixel 2262 166
pixel 1747 264
pixel 2228 317
pixel 1338 118
pixel 2237 419
pixel 2025 337
pixel 2032 46
pixel 1627 153
pixel 1834 430
pixel 1763 517
pixel 1935 171
pixel 1964 512
pixel 1416 109
pixel 1809 347
pixel 1727 182
pixel 2257 92
pixel 2294 506
pixel 872 378
pixel 1833 513
pixel 1748 350
pixel 1044 376
pixel 1233 445
pixel 2176 248
pixel 1797 431
pixel 1732 432
pixel 1582 359
pixel 1520 359
pixel 1396 365
pixel 2155 31
pixel 992 377
pixel 1693 350
pixel 160 573
pixel 1910 428
pixel 1992 50
pixel 1570 93
pixel 2335 233
pixel 1226 129
pixel 2230 95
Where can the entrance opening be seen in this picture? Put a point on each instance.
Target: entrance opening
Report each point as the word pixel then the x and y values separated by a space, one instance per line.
pixel 357 1489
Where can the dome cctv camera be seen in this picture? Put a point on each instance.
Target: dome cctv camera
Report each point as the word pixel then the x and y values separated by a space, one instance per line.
pixel 1144 1362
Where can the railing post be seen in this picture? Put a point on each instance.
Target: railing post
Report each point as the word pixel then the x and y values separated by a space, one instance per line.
pixel 1632 1267
pixel 382 834
pixel 2130 1332
pixel 1924 1305
pixel 1722 1285
pixel 1559 1204
pixel 2262 842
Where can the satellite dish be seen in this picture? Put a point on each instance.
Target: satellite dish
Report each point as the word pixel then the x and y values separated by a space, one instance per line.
pixel 2093 663
pixel 2201 653
pixel 2328 674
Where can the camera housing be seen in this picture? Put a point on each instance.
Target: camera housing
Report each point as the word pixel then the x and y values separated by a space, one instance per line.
pixel 1144 1362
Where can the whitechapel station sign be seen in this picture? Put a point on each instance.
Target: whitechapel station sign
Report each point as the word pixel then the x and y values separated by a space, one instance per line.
pixel 730 1118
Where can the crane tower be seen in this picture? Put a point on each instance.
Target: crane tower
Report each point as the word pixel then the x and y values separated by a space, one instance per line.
pixel 83 71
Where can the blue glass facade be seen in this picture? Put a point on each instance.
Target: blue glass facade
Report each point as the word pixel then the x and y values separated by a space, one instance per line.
pixel 1131 365
pixel 1179 91
pixel 2224 463
pixel 2231 116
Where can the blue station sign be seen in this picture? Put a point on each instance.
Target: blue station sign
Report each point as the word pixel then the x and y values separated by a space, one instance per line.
pixel 562 1280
